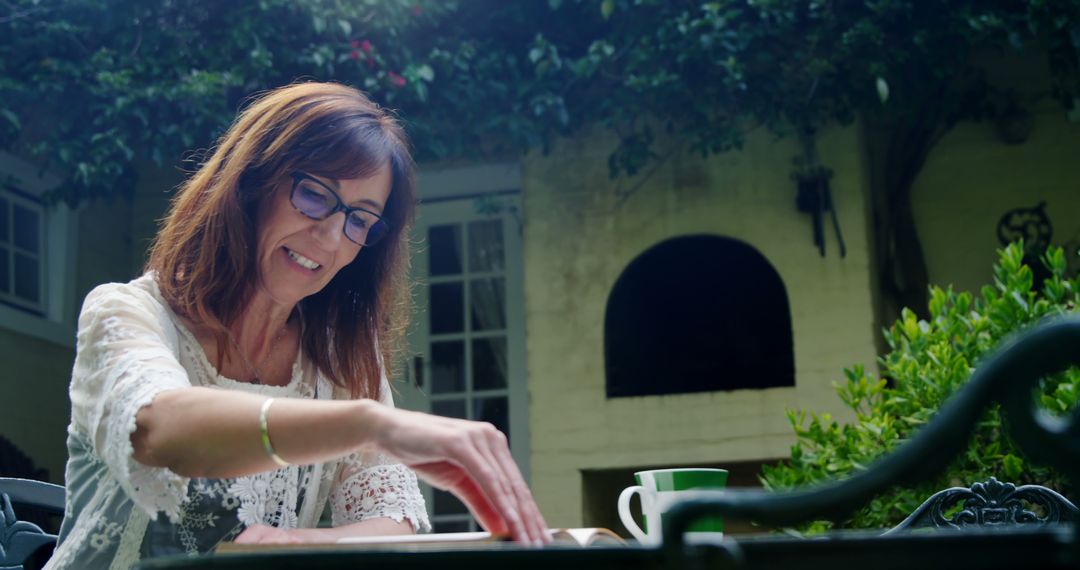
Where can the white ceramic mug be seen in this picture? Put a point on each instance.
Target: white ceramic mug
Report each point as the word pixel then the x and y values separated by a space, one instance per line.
pixel 658 489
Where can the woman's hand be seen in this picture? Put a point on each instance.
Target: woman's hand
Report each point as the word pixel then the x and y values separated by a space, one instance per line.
pixel 471 460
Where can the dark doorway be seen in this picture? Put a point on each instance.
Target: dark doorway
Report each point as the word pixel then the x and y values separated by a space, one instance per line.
pixel 697 313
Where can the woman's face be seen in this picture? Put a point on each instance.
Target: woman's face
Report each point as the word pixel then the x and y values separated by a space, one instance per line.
pixel 298 255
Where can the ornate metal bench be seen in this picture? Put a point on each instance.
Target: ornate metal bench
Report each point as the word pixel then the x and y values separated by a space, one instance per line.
pixel 990 504
pixel 20 540
pixel 1007 378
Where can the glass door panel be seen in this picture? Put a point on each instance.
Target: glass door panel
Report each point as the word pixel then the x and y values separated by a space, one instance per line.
pixel 467 336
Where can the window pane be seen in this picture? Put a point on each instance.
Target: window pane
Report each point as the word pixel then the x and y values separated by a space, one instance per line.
pixel 495 411
pixel 27 280
pixel 488 300
pixel 4 221
pixel 449 409
pixel 447 367
pixel 450 526
pixel 447 504
pixel 444 250
pixel 485 245
pixel 447 308
pixel 489 363
pixel 5 270
pixel 26 228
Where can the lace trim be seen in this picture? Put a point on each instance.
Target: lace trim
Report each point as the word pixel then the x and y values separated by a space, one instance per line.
pixel 153 489
pixel 269 498
pixel 94 531
pixel 389 491
pixel 127 554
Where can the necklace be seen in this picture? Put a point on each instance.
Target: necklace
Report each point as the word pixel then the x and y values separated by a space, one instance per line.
pixel 251 367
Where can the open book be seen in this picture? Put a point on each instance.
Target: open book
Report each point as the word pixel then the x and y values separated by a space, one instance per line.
pixel 560 537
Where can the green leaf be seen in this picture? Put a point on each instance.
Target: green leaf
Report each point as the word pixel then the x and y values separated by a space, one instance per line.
pixel 607 7
pixel 11 118
pixel 1013 466
pixel 882 89
pixel 1020 300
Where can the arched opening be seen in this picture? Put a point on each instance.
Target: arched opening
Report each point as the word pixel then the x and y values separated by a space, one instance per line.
pixel 697 313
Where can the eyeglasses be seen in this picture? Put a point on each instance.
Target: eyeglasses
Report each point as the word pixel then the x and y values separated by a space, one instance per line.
pixel 318 202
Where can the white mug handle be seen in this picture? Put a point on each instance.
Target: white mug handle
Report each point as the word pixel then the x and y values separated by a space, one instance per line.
pixel 624 513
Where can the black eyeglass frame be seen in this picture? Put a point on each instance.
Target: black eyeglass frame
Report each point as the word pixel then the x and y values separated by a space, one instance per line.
pixel 340 207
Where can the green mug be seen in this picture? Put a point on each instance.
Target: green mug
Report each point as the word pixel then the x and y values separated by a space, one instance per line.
pixel 658 489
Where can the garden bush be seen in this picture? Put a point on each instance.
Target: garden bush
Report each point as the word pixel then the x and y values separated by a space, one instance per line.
pixel 926 362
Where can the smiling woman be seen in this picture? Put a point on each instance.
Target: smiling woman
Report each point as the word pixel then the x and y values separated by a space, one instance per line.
pixel 238 386
pixel 241 197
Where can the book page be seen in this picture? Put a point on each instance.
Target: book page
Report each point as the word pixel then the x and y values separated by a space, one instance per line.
pixel 423 538
pixel 590 536
pixel 559 536
pixel 563 537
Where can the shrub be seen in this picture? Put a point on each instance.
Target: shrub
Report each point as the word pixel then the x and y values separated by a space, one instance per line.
pixel 927 362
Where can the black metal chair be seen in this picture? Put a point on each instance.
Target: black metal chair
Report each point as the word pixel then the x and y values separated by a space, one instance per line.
pixel 21 541
pixel 990 504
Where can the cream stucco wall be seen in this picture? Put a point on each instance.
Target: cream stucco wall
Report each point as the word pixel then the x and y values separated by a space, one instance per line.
pixel 36 372
pixel 578 239
pixel 972 178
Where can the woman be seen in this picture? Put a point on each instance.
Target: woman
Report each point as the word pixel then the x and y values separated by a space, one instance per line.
pixel 237 386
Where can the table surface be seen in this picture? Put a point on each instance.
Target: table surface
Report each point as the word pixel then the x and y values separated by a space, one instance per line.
pixel 1044 547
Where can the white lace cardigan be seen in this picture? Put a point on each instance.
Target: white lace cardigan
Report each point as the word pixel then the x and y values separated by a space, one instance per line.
pixel 131 347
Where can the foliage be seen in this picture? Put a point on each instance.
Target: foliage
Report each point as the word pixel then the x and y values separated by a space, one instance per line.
pixel 91 86
pixel 712 70
pixel 928 361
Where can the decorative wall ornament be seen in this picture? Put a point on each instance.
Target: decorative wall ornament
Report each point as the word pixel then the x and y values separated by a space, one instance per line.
pixel 1030 224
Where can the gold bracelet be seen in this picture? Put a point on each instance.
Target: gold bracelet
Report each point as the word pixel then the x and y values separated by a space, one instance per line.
pixel 264 433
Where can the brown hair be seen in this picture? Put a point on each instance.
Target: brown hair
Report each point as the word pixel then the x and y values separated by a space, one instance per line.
pixel 203 256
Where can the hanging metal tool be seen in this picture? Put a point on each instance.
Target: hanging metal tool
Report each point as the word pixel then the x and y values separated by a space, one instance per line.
pixel 813 194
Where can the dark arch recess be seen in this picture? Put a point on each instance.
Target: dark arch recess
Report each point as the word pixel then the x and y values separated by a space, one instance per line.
pixel 697 313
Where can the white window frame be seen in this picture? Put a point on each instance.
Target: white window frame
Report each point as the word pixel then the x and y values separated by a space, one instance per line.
pixel 14 198
pixel 465 184
pixel 58 254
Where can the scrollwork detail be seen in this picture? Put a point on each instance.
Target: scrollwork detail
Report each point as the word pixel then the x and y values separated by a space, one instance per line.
pixel 988 504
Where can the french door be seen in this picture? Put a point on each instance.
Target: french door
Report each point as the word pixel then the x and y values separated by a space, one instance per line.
pixel 467 334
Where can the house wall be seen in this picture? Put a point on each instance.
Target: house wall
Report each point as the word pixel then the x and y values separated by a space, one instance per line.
pixel 149 204
pixel 972 178
pixel 36 371
pixel 579 238
pixel 33 388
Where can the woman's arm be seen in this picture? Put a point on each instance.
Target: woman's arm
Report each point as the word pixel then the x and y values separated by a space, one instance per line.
pixel 134 403
pixel 215 433
pixel 203 432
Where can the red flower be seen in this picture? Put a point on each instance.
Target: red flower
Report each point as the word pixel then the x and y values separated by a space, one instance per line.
pixel 354 43
pixel 397 80
pixel 354 55
pixel 417 10
pixel 366 46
